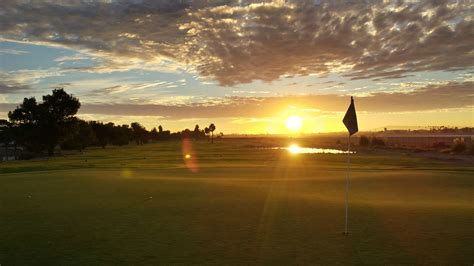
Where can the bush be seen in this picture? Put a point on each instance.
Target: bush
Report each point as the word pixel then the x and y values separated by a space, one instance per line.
pixel 364 141
pixel 471 150
pixel 377 142
pixel 69 145
pixel 458 146
pixel 440 145
pixel 26 156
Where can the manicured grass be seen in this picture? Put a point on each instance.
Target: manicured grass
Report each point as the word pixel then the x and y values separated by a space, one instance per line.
pixel 233 204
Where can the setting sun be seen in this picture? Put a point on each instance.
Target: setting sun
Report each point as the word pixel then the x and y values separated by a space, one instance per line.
pixel 294 123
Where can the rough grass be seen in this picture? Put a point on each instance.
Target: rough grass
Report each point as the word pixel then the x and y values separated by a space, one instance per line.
pixel 233 204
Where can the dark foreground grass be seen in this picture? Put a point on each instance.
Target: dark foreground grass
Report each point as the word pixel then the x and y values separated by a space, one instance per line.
pixel 233 204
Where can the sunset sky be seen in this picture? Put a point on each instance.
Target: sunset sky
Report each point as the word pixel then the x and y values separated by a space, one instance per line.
pixel 244 65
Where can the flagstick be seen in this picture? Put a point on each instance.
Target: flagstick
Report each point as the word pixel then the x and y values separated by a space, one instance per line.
pixel 347 181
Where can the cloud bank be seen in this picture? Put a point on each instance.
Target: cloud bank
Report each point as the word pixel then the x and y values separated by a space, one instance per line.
pixel 237 42
pixel 431 97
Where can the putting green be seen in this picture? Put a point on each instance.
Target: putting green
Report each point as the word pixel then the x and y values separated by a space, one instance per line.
pixel 230 203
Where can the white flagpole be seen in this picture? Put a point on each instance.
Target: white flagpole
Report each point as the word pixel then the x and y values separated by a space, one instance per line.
pixel 347 182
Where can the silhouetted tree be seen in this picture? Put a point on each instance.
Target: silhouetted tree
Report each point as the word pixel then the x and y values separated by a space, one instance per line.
pixel 25 118
pixel 6 135
pixel 163 134
pixel 212 127
pixel 82 137
pixel 196 132
pixel 139 133
pixel 121 135
pixel 102 133
pixel 175 135
pixel 186 133
pixel 45 125
pixel 154 135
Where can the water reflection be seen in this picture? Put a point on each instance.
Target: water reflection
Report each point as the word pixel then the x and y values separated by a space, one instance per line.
pixel 296 149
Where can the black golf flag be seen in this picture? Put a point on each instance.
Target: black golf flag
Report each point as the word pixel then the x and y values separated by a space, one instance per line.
pixel 350 119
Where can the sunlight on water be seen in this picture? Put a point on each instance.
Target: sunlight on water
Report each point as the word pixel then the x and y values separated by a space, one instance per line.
pixel 296 149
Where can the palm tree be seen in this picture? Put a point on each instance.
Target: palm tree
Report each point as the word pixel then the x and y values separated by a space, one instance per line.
pixel 207 131
pixel 196 132
pixel 212 127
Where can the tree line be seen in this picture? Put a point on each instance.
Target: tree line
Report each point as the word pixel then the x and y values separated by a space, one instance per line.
pixel 44 127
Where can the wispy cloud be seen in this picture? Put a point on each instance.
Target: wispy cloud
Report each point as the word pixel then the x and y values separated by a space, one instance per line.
pixel 12 88
pixel 108 87
pixel 250 92
pixel 31 76
pixel 21 81
pixel 76 57
pixel 13 51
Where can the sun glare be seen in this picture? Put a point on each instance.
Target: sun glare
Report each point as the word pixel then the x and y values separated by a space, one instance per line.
pixel 294 123
pixel 294 148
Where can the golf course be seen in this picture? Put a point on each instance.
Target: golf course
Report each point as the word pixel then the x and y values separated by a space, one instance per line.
pixel 233 202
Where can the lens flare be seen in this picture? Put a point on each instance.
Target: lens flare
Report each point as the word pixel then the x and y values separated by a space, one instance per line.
pixel 189 158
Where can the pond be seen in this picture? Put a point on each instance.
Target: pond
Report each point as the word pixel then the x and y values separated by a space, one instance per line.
pixel 296 149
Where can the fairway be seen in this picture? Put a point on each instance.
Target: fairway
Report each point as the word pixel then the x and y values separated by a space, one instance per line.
pixel 233 203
